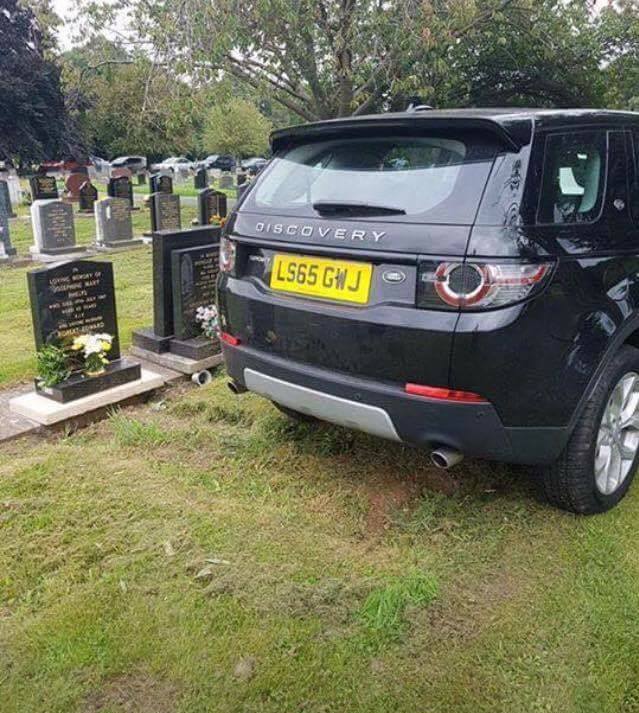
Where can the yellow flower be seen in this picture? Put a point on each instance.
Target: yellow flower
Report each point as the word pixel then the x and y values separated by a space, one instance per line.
pixel 106 346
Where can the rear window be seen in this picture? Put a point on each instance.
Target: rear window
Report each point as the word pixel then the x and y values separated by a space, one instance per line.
pixel 436 179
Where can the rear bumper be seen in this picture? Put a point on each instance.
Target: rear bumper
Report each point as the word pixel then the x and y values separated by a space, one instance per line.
pixel 386 410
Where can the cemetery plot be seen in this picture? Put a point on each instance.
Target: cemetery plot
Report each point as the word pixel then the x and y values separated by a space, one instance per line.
pixel 113 223
pixel 165 212
pixel 184 273
pixel 88 195
pixel 121 187
pixel 71 302
pixel 53 228
pixel 211 205
pixel 43 187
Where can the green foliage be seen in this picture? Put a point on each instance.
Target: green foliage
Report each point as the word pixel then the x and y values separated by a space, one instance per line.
pixel 53 364
pixel 236 128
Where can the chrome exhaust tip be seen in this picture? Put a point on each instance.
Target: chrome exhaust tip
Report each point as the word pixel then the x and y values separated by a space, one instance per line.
pixel 445 458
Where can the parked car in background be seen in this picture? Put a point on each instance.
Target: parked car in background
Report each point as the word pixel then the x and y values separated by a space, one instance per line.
pixel 65 165
pixel 224 163
pixel 465 281
pixel 208 161
pixel 174 164
pixel 135 164
pixel 253 165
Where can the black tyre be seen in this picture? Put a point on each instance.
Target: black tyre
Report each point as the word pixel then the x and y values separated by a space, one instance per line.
pixel 599 461
pixel 295 415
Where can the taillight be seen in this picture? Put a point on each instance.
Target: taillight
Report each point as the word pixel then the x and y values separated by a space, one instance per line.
pixel 478 285
pixel 444 394
pixel 230 339
pixel 228 251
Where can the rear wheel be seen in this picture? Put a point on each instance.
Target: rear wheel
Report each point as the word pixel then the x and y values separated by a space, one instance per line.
pixel 599 461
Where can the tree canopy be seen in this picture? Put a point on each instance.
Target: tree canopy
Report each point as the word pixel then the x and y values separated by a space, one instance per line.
pixel 236 128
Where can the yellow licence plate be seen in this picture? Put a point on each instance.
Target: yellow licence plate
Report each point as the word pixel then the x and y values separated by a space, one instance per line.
pixel 340 280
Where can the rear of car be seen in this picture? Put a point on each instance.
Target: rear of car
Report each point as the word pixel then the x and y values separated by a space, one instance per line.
pixel 411 276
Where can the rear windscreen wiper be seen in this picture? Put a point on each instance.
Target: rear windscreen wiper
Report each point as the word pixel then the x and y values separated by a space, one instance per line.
pixel 353 208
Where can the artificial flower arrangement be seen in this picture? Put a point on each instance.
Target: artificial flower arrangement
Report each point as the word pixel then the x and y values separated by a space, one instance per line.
pixel 207 318
pixel 86 354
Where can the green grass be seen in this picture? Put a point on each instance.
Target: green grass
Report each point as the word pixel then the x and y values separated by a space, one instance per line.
pixel 133 283
pixel 203 553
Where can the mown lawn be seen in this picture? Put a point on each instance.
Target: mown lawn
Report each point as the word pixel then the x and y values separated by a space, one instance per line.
pixel 133 284
pixel 205 554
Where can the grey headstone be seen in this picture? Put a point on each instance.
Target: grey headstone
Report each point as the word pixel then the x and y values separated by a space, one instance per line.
pixel 226 180
pixel 113 222
pixel 53 227
pixel 5 199
pixel 166 212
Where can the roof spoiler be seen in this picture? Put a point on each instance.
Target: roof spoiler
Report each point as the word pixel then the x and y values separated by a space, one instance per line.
pixel 514 135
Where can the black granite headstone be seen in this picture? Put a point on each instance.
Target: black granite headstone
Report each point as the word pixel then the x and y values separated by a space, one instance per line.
pixel 88 196
pixel 241 179
pixel 120 187
pixel 5 213
pixel 209 204
pixel 5 199
pixel 194 273
pixel 160 183
pixel 161 337
pixel 201 179
pixel 43 187
pixel 76 298
pixel 165 212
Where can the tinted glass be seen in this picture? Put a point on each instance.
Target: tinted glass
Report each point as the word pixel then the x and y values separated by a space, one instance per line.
pixel 574 176
pixel 437 179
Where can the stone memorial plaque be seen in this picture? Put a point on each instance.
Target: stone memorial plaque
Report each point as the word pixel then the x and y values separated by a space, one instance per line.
pixel 73 298
pixel 161 183
pixel 88 195
pixel 5 199
pixel 121 187
pixel 211 203
pixel 200 180
pixel 165 212
pixel 43 187
pixel 194 273
pixel 113 222
pixel 53 227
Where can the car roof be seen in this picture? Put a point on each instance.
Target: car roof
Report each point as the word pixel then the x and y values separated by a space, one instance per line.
pixel 513 125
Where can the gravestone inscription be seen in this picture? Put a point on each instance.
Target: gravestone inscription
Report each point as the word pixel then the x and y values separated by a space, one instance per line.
pixel 53 227
pixel 113 223
pixel 211 204
pixel 75 298
pixel 88 195
pixel 43 187
pixel 121 187
pixel 165 212
pixel 194 273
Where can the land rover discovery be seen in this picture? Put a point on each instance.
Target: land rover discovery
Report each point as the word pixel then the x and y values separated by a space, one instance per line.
pixel 466 281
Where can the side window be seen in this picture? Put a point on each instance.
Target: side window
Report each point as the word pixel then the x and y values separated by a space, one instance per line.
pixel 634 177
pixel 574 178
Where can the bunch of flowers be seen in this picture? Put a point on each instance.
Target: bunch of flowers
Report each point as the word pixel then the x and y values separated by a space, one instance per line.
pixel 94 348
pixel 207 317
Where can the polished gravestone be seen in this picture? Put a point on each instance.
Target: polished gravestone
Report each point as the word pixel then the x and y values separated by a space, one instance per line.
pixel 88 195
pixel 165 212
pixel 201 179
pixel 113 224
pixel 211 203
pixel 75 298
pixel 121 187
pixel 5 213
pixel 162 337
pixel 160 183
pixel 5 198
pixel 43 187
pixel 194 276
pixel 53 229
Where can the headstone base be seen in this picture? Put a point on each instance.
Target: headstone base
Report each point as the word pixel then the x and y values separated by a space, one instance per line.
pixel 175 362
pixel 117 373
pixel 148 340
pixel 74 253
pixel 120 244
pixel 48 412
pixel 196 349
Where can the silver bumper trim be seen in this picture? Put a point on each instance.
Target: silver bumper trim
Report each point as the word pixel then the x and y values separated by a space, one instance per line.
pixel 326 407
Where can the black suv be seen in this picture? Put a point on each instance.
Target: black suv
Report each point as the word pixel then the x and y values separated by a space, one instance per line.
pixel 463 280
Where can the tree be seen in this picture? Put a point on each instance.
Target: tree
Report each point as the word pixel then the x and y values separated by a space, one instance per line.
pixel 320 58
pixel 618 35
pixel 33 119
pixel 236 128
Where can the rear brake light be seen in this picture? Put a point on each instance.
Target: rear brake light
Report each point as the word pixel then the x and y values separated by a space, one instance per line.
pixel 478 285
pixel 228 251
pixel 435 392
pixel 229 339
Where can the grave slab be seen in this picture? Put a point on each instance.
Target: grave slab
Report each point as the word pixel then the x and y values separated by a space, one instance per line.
pixel 174 362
